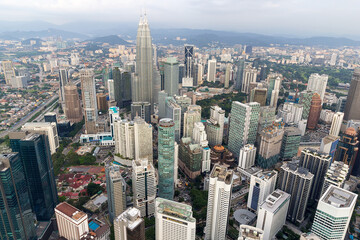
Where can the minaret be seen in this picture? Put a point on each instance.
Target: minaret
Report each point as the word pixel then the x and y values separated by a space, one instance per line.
pixel 144 63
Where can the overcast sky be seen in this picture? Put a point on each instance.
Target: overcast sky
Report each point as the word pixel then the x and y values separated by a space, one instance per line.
pixel 286 17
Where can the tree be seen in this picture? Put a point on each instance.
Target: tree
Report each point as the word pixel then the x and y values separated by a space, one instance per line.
pixel 93 188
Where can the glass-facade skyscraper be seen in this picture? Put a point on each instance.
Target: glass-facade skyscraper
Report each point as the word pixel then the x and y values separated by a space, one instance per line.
pixel 166 148
pixel 39 172
pixel 17 218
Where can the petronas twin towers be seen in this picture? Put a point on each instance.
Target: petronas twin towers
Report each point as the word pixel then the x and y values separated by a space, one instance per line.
pixel 143 79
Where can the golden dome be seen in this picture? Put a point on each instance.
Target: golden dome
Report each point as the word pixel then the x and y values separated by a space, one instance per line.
pixel 219 148
pixel 351 131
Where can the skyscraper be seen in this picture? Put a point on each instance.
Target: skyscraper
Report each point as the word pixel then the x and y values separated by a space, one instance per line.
pixel 89 99
pixel 211 72
pixel 272 213
pixel 116 190
pixel 166 149
pixel 144 186
pixel 258 94
pixel 336 124
pixel 317 83
pixel 239 73
pixel 72 223
pixel 333 213
pixel 317 163
pixel 129 225
pixel 314 113
pixel 305 100
pixel 144 63
pixel 340 105
pixel 141 109
pixel 72 108
pixel 156 84
pixel 215 126
pixel 173 111
pixel 243 125
pixel 220 186
pixel 171 74
pixel 297 182
pixel 189 60
pixel 124 138
pixel 290 142
pixel 191 116
pixel 190 157
pixel 352 111
pixel 64 80
pixel 261 185
pixel 335 175
pixel 249 76
pixel 174 220
pixel 36 158
pixel 17 219
pixel 122 87
pixel 247 156
pixel 227 75
pixel 143 139
pixel 9 71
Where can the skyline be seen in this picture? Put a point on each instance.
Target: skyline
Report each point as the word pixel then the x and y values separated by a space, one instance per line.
pixel 261 16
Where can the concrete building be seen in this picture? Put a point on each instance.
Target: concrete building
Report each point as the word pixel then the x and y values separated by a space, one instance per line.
pixel 9 71
pixel 249 76
pixel 258 94
pixel 46 128
pixel 290 142
pixel 352 111
pixel 270 145
pixel 272 213
pixel 335 175
pixel 239 73
pixel 220 186
pixel 173 111
pixel 101 101
pixel 63 80
pixel 314 112
pixel 72 106
pixel 333 213
pixel 111 89
pixel 275 90
pixel 143 139
pixel 190 157
pixel 200 137
pixel 340 106
pixel 297 182
pixel 317 83
pixel 243 125
pixel 129 225
pixel 191 116
pixel 336 124
pixel 89 100
pixel 317 163
pixel 19 82
pixel 211 72
pixel 71 222
pixel 215 126
pixel 174 220
pixel 305 100
pixel 171 76
pixel 291 112
pixel 247 156
pixel 141 109
pixel 124 135
pixel 227 75
pixel 329 144
pixel 144 186
pixel 250 233
pixel 116 191
pixel 261 185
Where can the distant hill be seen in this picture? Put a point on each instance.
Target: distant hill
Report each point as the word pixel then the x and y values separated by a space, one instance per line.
pixel 51 32
pixel 111 39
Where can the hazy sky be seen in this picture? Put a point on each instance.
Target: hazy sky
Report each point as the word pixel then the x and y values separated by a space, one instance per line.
pixel 293 17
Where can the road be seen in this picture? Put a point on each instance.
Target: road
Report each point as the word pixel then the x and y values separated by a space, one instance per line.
pixel 28 116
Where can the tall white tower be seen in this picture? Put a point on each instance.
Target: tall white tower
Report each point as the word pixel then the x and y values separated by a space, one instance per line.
pixel 211 74
pixel 336 124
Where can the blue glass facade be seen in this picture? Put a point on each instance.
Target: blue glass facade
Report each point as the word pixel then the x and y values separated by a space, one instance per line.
pixel 35 155
pixel 166 148
pixel 17 218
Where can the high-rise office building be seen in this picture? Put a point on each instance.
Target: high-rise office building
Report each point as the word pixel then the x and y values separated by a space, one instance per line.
pixel 297 182
pixel 129 225
pixel 247 156
pixel 336 124
pixel 116 191
pixel 314 112
pixel 124 135
pixel 72 223
pixel 227 75
pixel 200 137
pixel 243 125
pixel 144 63
pixel 272 213
pixel 261 185
pixel 171 74
pixel 290 142
pixel 174 220
pixel 239 73
pixel 258 94
pixel 72 107
pixel 335 175
pixel 89 99
pixel 36 158
pixel 47 128
pixel 248 232
pixel 141 109
pixel 329 144
pixel 215 126
pixel 190 157
pixel 143 132
pixel 317 163
pixel 156 84
pixel 270 145
pixel 333 213
pixel 347 149
pixel 122 87
pixel 64 80
pixel 191 116
pixel 249 76
pixel 189 61
pixel 111 89
pixel 144 186
pixel 17 219
pixel 305 100
pixel 9 71
pixel 291 112
pixel 166 149
pixel 340 105
pixel 220 186
pixel 211 72
pixel 101 100
pixel 173 111
pixel 317 84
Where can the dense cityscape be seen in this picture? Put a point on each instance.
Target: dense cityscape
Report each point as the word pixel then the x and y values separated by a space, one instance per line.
pixel 119 139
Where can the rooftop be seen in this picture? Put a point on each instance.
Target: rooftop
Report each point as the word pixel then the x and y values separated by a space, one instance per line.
pixel 70 211
pixel 338 197
pixel 175 209
pixel 222 174
pixel 131 217
pixel 244 216
pixel 275 200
